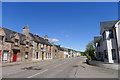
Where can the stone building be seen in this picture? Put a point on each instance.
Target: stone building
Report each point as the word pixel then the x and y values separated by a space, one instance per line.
pixel 42 48
pixel 15 47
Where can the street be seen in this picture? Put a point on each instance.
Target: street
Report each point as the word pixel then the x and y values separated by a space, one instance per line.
pixel 58 68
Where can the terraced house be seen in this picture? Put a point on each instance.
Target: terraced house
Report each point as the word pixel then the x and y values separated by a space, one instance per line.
pixel 26 46
pixel 108 46
pixel 42 48
pixel 15 47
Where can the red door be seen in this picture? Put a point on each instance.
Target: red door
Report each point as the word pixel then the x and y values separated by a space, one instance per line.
pixel 15 57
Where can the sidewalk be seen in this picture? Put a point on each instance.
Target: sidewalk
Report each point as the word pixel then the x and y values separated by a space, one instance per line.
pixel 17 63
pixel 20 63
pixel 105 65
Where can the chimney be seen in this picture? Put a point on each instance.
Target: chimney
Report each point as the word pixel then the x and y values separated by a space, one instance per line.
pixel 59 45
pixel 26 30
pixel 52 43
pixel 46 37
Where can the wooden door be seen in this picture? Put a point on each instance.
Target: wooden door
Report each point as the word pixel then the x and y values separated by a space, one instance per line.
pixel 42 56
pixel 15 57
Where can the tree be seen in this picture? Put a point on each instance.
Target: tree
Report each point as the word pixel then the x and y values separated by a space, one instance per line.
pixel 83 53
pixel 90 49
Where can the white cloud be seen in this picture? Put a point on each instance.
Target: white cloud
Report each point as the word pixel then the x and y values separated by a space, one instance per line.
pixel 54 40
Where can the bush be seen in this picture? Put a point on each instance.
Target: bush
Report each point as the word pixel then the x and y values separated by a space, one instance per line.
pixel 89 57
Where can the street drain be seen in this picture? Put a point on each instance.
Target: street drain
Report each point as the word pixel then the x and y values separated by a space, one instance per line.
pixel 31 68
pixel 75 66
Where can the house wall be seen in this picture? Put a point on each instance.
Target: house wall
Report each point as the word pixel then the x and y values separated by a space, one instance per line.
pixel 119 41
pixel 117 27
pixel 108 45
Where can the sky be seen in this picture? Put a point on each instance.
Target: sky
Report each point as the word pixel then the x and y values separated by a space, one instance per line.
pixel 72 24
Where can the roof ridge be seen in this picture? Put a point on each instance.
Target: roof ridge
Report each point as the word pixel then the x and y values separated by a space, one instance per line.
pixel 109 21
pixel 12 30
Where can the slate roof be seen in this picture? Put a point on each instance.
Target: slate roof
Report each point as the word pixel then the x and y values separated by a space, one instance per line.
pixel 106 24
pixel 97 38
pixel 42 40
pixel 33 37
pixel 9 34
pixel 65 49
pixel 59 48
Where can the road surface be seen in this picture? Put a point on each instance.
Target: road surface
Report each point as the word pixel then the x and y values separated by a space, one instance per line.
pixel 58 68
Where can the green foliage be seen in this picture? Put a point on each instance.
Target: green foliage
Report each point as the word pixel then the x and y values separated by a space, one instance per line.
pixel 83 53
pixel 89 57
pixel 69 50
pixel 90 49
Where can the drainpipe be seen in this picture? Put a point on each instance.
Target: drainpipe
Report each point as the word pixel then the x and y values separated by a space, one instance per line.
pixel 2 49
pixel 116 44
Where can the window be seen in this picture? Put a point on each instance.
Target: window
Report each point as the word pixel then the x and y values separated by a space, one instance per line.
pixel 1 38
pixel 37 45
pixel 104 36
pixel 55 50
pixel 26 55
pixel 111 34
pixel 99 54
pixel 16 41
pixel 42 46
pixel 50 48
pixel 113 54
pixel 106 54
pixel 27 43
pixel 5 56
pixel 98 44
pixel 46 55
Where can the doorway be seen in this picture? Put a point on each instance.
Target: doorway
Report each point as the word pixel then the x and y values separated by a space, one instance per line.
pixel 36 55
pixel 42 55
pixel 15 57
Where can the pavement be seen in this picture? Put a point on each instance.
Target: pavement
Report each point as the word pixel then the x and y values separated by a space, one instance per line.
pixel 58 68
pixel 104 64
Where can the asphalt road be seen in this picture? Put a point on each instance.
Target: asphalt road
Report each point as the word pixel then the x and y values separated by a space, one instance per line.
pixel 58 68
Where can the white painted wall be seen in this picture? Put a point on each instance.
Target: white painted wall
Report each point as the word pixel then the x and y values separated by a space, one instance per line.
pixel 117 27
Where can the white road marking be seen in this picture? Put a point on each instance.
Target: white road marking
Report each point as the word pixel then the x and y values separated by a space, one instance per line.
pixel 37 73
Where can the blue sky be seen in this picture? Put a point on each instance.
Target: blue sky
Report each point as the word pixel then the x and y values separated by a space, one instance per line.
pixel 73 24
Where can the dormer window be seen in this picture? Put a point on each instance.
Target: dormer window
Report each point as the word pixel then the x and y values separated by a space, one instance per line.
pixel 16 41
pixel 111 34
pixel 27 43
pixel 104 36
